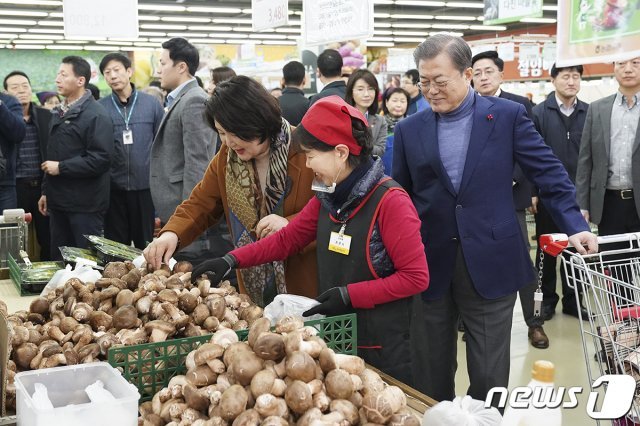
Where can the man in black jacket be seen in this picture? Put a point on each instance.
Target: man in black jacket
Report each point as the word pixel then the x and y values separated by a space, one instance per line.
pixel 30 155
pixel 293 103
pixel 487 77
pixel 559 120
pixel 12 131
pixel 76 182
pixel 330 74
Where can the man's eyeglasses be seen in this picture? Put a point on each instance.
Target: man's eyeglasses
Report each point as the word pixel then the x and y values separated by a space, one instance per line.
pixel 426 85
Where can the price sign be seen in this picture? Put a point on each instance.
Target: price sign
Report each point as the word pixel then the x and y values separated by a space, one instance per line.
pixel 267 14
pixel 98 18
pixel 328 21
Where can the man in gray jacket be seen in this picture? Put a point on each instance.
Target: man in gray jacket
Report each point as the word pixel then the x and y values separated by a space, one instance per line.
pixel 184 143
pixel 136 118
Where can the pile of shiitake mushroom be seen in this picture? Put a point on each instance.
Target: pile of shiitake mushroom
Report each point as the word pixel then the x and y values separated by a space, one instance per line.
pixel 79 322
pixel 286 377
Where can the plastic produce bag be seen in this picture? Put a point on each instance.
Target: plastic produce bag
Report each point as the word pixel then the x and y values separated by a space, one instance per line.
pixel 83 272
pixel 97 393
pixel 462 411
pixel 139 261
pixel 40 397
pixel 290 304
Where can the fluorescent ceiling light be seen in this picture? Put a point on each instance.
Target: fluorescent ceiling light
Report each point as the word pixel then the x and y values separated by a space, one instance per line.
pixel 243 29
pixel 51 23
pixel 103 48
pixel 200 9
pixel 148 18
pixel 152 34
pixel 188 35
pixel 42 41
pixel 539 20
pixel 207 41
pixel 8 36
pixel 209 28
pixel 64 47
pixel 162 7
pixel 230 35
pixel 17 22
pixel 381 15
pixel 379 44
pixel 455 18
pixel 420 3
pixel 406 16
pixel 408 40
pixel 163 27
pixel 158 39
pixel 288 30
pixel 56 15
pixel 450 26
pixel 411 33
pixel 294 37
pixel 13 29
pixel 382 32
pixel 231 21
pixel 382 24
pixel 115 43
pixel 29 46
pixel 247 11
pixel 268 30
pixel 41 36
pixel 71 42
pixel 145 44
pixel 9 12
pixel 184 19
pixel 267 36
pixel 380 39
pixel 46 30
pixel 451 33
pixel 487 27
pixel 419 26
pixel 550 7
pixel 33 2
pixel 466 4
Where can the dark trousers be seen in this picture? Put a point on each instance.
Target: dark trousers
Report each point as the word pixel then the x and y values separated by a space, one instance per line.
pixel 130 217
pixel 29 192
pixel 546 225
pixel 68 229
pixel 526 292
pixel 7 197
pixel 488 327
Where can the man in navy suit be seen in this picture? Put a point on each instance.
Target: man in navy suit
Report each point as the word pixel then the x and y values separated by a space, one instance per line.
pixel 456 162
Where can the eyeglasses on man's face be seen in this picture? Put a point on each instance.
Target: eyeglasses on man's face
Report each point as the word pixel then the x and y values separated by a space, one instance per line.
pixel 426 85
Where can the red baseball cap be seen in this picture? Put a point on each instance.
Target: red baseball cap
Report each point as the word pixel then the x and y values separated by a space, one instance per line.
pixel 329 120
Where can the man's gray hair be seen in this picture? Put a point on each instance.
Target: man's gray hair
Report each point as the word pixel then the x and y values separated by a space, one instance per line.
pixel 457 49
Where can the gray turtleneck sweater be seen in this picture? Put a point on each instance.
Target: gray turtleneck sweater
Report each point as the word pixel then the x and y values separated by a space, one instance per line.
pixel 454 132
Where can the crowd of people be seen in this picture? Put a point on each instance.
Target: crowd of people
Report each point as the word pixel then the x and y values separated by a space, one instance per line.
pixel 405 205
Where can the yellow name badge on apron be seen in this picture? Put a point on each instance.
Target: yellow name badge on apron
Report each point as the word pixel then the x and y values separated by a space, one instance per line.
pixel 339 242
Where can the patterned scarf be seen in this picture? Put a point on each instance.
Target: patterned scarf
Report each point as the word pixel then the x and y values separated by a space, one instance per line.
pixel 247 205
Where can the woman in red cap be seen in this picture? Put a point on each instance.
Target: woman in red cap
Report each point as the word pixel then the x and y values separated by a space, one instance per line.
pixel 370 254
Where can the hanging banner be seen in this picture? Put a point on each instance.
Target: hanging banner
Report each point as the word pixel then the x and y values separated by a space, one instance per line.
pixel 99 18
pixel 328 21
pixel 267 14
pixel 594 31
pixel 502 11
pixel 507 51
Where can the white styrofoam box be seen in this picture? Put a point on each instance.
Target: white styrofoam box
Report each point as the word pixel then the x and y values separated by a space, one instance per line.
pixel 72 407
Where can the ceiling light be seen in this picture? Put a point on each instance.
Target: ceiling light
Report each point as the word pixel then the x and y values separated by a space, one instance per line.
pixel 539 20
pixel 188 35
pixel 408 40
pixel 64 47
pixel 550 7
pixel 380 39
pixel 164 27
pixel 46 30
pixel 419 26
pixel 450 26
pixel 247 11
pixel 487 27
pixel 145 44
pixel 382 32
pixel 13 29
pixel 288 30
pixel 420 3
pixel 51 23
pixel 103 48
pixel 230 35
pixel 455 18
pixel 266 36
pixel 42 41
pixel 411 33
pixel 208 28
pixel 451 33
pixel 294 37
pixel 29 46
pixel 379 44
pixel 382 24
pixel 416 16
pixel 41 36
pixel 184 19
pixel 162 7
pixel 466 4
pixel 71 42
pixel 207 41
pixel 9 12
pixel 17 22
pixel 56 15
pixel 4 36
pixel 33 2
pixel 200 9
pixel 148 18
pixel 231 21
pixel 152 34
pixel 243 29
pixel 381 15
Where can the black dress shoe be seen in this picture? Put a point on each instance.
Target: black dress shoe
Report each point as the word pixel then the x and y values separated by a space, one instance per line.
pixel 573 311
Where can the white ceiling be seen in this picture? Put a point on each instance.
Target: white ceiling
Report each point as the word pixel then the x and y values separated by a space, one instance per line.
pixel 37 24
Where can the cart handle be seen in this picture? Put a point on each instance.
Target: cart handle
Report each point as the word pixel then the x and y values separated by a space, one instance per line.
pixel 554 244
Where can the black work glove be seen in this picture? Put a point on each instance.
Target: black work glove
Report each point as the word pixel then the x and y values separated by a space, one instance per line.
pixel 215 269
pixel 335 301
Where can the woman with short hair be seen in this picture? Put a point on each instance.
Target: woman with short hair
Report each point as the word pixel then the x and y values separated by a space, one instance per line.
pixel 362 92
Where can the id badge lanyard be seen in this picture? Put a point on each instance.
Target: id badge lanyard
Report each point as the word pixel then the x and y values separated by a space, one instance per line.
pixel 127 134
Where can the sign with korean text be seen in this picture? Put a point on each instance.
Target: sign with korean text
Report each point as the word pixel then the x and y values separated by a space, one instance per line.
pixel 594 31
pixel 502 11
pixel 267 14
pixel 328 21
pixel 99 18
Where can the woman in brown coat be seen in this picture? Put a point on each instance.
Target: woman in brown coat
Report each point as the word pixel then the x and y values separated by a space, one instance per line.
pixel 258 180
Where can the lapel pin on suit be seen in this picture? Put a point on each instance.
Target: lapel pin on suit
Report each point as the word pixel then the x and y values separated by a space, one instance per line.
pixel 490 117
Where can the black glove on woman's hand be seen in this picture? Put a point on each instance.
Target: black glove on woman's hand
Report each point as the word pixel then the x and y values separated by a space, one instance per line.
pixel 335 301
pixel 215 269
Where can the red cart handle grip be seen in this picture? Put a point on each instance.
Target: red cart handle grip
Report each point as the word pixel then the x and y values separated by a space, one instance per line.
pixel 553 244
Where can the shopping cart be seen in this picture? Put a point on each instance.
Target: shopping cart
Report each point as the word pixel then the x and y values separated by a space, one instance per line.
pixel 609 282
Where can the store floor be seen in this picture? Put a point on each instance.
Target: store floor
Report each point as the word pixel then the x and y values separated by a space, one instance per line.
pixel 565 352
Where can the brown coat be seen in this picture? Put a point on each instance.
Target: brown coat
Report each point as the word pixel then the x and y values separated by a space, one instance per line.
pixel 208 201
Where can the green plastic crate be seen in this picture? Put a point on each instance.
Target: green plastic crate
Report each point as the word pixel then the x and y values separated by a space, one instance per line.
pixel 150 366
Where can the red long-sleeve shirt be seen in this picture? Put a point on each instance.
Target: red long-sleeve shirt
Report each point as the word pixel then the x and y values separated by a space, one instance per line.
pixel 399 227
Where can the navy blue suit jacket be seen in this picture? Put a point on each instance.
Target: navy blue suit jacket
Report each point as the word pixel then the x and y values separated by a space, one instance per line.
pixel 481 216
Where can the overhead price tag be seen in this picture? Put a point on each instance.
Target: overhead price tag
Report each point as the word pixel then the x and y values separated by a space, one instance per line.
pixel 328 21
pixel 267 14
pixel 99 18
